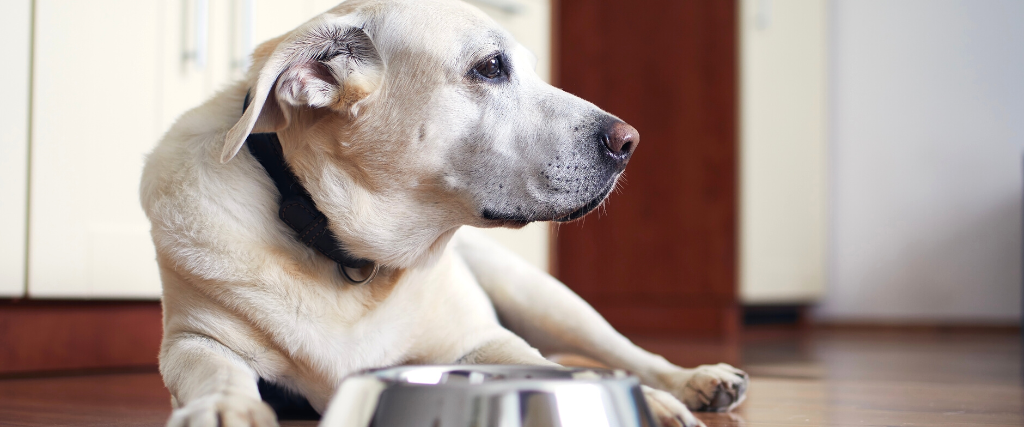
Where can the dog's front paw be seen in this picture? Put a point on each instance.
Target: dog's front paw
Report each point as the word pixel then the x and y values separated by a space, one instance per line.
pixel 224 410
pixel 669 411
pixel 715 388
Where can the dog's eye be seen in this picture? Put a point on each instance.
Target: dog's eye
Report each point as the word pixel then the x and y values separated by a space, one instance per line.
pixel 491 68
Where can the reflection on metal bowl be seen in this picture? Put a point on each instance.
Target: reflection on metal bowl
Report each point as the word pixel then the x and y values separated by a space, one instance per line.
pixel 489 396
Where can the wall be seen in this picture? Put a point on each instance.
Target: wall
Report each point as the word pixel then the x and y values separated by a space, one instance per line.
pixel 926 130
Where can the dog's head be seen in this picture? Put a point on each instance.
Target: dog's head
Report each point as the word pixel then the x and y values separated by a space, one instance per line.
pixel 408 119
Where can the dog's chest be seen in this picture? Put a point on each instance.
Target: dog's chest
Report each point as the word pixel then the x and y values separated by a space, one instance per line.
pixel 429 315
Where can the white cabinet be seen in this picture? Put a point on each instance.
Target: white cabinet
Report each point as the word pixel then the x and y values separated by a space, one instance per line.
pixel 109 77
pixel 15 31
pixel 783 151
pixel 191 44
pixel 102 97
pixel 95 111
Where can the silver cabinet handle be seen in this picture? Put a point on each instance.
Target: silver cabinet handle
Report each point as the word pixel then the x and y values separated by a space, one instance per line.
pixel 763 14
pixel 202 30
pixel 246 27
pixel 196 51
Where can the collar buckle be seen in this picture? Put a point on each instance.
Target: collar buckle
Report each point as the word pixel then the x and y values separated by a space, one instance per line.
pixel 366 272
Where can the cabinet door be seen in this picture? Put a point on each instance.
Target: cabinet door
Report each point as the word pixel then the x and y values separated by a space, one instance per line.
pixel 104 94
pixel 193 58
pixel 15 30
pixel 783 173
pixel 661 260
pixel 96 112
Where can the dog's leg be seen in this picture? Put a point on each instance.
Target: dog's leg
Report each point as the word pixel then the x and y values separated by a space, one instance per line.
pixel 555 320
pixel 513 350
pixel 210 385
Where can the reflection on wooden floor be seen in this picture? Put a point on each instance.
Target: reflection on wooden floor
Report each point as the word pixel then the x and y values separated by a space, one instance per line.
pixel 820 378
pixel 880 378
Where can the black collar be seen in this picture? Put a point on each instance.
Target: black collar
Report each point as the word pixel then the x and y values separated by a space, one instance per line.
pixel 298 209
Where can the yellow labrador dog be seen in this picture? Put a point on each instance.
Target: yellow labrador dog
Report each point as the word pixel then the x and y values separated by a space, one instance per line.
pixel 401 121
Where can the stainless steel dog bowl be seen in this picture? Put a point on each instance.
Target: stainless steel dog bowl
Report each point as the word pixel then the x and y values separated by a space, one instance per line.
pixel 489 396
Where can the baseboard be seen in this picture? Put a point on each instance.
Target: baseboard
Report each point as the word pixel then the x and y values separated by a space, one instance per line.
pixel 918 326
pixel 795 315
pixel 41 336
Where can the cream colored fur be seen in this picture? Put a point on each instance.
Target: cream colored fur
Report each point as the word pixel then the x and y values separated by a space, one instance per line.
pixel 399 147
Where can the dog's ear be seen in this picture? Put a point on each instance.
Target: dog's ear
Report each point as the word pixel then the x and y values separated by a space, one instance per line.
pixel 327 63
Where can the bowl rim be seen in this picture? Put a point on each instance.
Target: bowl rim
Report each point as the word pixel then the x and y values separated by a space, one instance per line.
pixel 393 376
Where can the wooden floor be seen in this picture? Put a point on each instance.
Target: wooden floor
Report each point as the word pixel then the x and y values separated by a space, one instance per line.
pixel 824 378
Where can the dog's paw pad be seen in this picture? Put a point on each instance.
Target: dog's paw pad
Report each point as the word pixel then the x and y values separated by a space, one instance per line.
pixel 669 411
pixel 714 388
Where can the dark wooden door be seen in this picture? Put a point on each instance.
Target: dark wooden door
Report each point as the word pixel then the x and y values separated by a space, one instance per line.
pixel 661 261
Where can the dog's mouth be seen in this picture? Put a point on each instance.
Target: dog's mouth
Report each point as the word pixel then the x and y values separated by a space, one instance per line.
pixel 498 219
pixel 591 205
pixel 509 221
pixel 582 211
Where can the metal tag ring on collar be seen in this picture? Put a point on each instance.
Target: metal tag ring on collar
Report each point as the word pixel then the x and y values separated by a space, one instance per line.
pixel 373 273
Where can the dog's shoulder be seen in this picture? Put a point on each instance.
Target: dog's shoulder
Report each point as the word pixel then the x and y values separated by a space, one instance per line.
pixel 182 160
pixel 198 207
